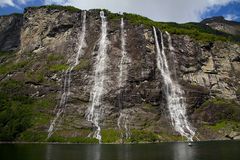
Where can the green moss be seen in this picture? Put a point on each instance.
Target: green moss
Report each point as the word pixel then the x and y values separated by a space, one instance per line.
pixel 196 31
pixel 165 137
pixel 54 57
pixel 138 136
pixel 73 139
pixel 11 66
pixel 6 54
pixel 58 67
pixel 15 110
pixel 58 7
pixel 220 102
pixel 238 91
pixel 83 64
pixel 37 76
pixel 110 135
pixel 218 109
pixel 33 136
pixel 41 108
pixel 224 125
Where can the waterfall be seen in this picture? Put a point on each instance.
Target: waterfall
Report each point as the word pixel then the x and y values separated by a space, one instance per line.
pixel 123 67
pixel 173 92
pixel 123 124
pixel 124 59
pixel 95 110
pixel 74 61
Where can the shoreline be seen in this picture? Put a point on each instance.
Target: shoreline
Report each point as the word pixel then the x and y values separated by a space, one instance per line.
pixel 2 142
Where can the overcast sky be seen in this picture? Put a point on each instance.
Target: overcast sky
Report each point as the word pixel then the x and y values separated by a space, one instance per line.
pixel 160 10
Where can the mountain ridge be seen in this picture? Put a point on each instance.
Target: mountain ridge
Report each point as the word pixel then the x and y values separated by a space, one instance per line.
pixel 32 79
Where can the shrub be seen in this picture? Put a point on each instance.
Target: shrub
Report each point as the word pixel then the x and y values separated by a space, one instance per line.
pixel 83 64
pixel 142 136
pixel 58 67
pixel 219 109
pixel 58 7
pixel 73 139
pixel 11 66
pixel 110 135
pixel 15 110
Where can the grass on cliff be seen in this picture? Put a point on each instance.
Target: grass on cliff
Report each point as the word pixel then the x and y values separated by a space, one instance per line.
pixel 218 109
pixel 15 110
pixel 9 64
pixel 58 7
pixel 73 139
pixel 196 31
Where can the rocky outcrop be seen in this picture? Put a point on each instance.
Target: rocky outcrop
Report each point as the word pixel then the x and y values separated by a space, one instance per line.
pixel 49 40
pixel 10 28
pixel 220 24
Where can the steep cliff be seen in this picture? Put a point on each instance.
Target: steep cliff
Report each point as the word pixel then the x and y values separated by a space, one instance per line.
pixel 43 84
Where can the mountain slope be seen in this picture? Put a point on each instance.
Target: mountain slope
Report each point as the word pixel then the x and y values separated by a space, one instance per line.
pixel 205 64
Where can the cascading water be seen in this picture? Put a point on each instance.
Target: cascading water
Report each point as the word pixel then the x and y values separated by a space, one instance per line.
pixel 94 111
pixel 123 121
pixel 173 92
pixel 74 61
pixel 123 124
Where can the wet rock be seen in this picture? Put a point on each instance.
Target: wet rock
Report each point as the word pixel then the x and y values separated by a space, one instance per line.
pixel 10 28
pixel 49 41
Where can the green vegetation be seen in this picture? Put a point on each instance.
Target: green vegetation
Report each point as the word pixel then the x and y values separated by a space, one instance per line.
pixel 37 76
pixel 138 136
pixel 166 137
pixel 196 31
pixel 12 66
pixel 238 91
pixel 31 135
pixel 83 64
pixel 54 57
pixel 224 125
pixel 58 67
pixel 217 110
pixel 58 7
pixel 22 117
pixel 110 135
pixel 5 54
pixel 55 63
pixel 73 139
pixel 15 110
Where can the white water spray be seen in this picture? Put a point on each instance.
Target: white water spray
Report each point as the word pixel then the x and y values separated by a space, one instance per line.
pixel 173 92
pixel 123 124
pixel 123 121
pixel 67 77
pixel 94 111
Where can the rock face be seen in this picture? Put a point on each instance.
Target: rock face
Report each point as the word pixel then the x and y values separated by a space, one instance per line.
pixel 220 24
pixel 207 72
pixel 10 28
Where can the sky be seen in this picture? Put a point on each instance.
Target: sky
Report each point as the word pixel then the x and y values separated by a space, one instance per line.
pixel 180 11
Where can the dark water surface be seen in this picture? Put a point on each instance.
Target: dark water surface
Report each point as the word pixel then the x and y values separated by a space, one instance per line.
pixel 224 150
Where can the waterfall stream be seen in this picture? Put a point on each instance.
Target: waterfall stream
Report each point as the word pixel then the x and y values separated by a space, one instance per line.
pixel 123 121
pixel 173 92
pixel 74 61
pixel 95 110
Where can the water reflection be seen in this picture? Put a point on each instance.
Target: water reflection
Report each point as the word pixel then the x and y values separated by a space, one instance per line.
pixel 93 152
pixel 48 153
pixel 166 151
pixel 183 151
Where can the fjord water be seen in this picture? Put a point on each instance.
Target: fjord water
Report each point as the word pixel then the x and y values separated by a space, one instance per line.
pixel 222 150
